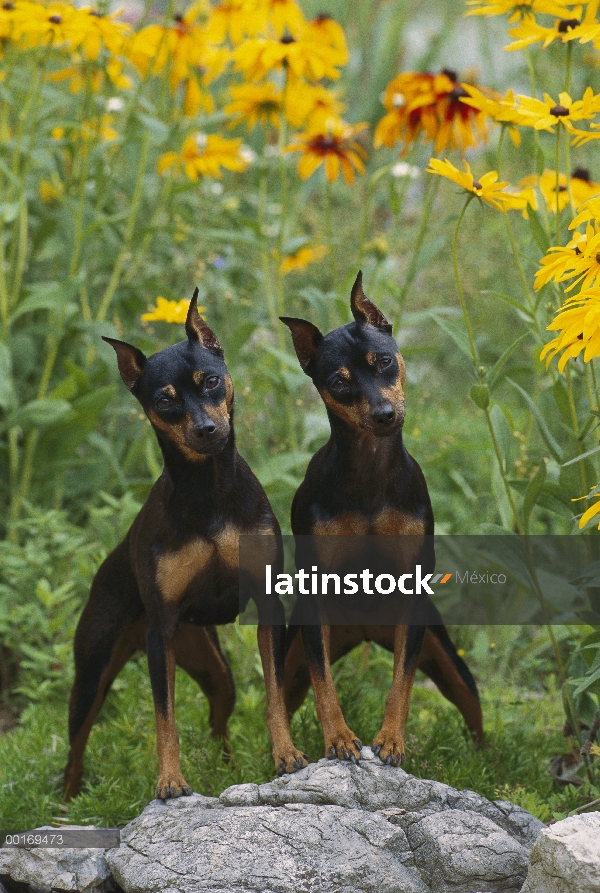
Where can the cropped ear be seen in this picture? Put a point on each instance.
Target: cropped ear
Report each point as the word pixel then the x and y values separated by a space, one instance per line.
pixel 364 311
pixel 307 340
pixel 197 330
pixel 131 362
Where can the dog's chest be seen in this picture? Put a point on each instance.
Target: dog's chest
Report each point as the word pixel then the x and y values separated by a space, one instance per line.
pixel 204 565
pixel 387 522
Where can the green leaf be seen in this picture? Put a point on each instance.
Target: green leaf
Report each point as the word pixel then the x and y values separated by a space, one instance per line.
pixel 586 682
pixel 45 296
pixel 540 162
pixel 496 369
pixel 276 467
pixel 7 391
pixel 428 251
pixel 537 230
pixel 502 433
pixel 583 456
pixel 159 131
pixel 508 300
pixel 561 399
pixel 480 396
pixel 456 333
pixel 543 427
pixel 39 413
pixel 534 490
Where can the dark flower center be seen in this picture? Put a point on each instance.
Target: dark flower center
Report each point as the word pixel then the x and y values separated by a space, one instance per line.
pixel 559 111
pixel 598 258
pixel 581 173
pixel 8 6
pixel 56 20
pixel 287 38
pixel 178 17
pixel 477 184
pixel 327 143
pixel 578 250
pixel 450 73
pixel 323 17
pixel 458 93
pixel 96 14
pixel 562 188
pixel 567 25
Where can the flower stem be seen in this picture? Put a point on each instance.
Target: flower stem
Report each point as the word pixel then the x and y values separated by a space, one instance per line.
pixel 329 231
pixel 430 195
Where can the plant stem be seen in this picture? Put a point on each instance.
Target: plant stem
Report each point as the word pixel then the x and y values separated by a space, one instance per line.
pixel 414 261
pixel 330 241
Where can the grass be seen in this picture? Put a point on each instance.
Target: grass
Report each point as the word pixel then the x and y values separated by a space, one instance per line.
pixel 522 734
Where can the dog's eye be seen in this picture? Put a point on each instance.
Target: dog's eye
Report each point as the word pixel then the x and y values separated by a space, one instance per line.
pixel 163 402
pixel 212 382
pixel 384 362
pixel 338 384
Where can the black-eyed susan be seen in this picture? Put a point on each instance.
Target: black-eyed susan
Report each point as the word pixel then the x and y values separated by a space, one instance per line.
pixel 581 185
pixel 300 259
pixel 334 146
pixel 593 509
pixel 586 211
pixel 259 56
pixel 502 109
pixel 255 103
pixel 204 155
pixel 579 260
pixel 547 114
pixel 516 11
pixel 169 311
pixel 91 32
pixel 578 322
pixel 421 102
pixel 310 106
pixel 281 16
pixel 234 20
pixel 487 187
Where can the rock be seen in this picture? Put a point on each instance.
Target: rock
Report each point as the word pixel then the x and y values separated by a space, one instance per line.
pixel 58 868
pixel 566 857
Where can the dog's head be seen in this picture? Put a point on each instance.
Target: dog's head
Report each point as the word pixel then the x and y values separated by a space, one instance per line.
pixel 185 390
pixel 357 369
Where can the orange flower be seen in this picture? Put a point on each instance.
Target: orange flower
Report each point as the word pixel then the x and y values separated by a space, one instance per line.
pixel 335 147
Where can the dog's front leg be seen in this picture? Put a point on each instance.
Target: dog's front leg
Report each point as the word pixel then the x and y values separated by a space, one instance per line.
pixel 271 644
pixel 389 743
pixel 161 664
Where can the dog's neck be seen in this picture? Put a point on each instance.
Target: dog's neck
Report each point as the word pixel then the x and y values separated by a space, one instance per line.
pixel 191 477
pixel 365 459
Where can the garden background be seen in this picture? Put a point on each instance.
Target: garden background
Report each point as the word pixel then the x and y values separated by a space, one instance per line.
pixel 264 152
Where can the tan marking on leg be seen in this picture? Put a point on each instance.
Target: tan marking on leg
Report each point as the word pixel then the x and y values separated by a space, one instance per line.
pixel 391 736
pixel 176 570
pixel 196 653
pixel 286 756
pixel 171 782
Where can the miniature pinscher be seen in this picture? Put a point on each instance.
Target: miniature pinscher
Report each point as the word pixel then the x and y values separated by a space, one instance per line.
pixel 363 481
pixel 175 575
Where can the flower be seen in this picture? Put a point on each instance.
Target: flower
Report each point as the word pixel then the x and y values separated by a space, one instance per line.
pixel 170 311
pixel 204 155
pixel 51 191
pixel 580 258
pixel 233 19
pixel 302 258
pixel 564 29
pixel 517 11
pixel 335 146
pixel 593 509
pixel 254 103
pixel 311 105
pixel 488 188
pixel 423 102
pixel 547 114
pixel 281 15
pixel 578 321
pixel 581 185
pixel 502 109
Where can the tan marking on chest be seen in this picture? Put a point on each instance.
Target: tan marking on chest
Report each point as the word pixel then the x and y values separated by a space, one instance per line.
pixel 394 523
pixel 176 570
pixel 227 542
pixel 331 553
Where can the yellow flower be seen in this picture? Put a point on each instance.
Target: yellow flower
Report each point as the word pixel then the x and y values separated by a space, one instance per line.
pixel 517 11
pixel 335 146
pixel 170 311
pixel 587 210
pixel 311 106
pixel 99 128
pixel 254 103
pixel 302 258
pixel 91 31
pixel 259 56
pixel 582 188
pixel 281 15
pixel 580 258
pixel 51 191
pixel 587 516
pixel 205 155
pixel 234 19
pixel 565 29
pixel 57 133
pixel 421 102
pixel 488 188
pixel 502 109
pixel 547 114
pixel 578 321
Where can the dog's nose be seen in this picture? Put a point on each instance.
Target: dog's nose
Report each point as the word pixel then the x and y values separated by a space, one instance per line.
pixel 384 416
pixel 205 428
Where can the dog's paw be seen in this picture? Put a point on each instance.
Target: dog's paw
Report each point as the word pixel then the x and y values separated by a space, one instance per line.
pixel 389 749
pixel 172 785
pixel 292 761
pixel 343 745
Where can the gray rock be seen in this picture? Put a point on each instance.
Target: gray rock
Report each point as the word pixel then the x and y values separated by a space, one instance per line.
pixel 58 868
pixel 566 857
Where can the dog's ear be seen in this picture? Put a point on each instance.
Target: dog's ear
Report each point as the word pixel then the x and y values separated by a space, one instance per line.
pixel 364 311
pixel 197 330
pixel 131 362
pixel 307 340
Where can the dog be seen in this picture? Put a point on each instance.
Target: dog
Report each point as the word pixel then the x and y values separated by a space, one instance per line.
pixel 363 481
pixel 175 575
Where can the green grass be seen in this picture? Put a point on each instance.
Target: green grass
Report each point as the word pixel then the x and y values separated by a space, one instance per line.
pixel 522 733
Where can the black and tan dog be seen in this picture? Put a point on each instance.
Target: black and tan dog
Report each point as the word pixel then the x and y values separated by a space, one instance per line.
pixel 363 481
pixel 176 573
